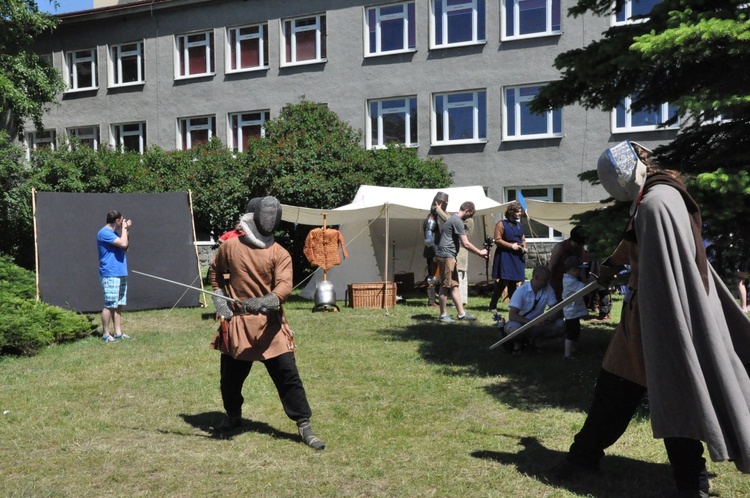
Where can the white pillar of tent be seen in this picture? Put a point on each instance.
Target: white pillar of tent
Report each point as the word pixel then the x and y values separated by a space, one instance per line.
pixel 387 242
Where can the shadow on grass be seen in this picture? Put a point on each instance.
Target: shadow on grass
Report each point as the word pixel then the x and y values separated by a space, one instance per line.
pixel 621 477
pixel 210 421
pixel 528 381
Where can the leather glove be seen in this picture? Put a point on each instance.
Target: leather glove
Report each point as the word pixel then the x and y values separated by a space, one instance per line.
pixel 607 274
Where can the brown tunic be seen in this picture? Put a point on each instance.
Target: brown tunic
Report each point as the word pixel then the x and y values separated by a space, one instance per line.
pixel 624 356
pixel 244 271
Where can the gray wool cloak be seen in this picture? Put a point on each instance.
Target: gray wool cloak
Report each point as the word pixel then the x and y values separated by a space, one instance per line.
pixel 696 342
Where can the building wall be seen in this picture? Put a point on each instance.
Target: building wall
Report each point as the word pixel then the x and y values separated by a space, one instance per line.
pixel 344 82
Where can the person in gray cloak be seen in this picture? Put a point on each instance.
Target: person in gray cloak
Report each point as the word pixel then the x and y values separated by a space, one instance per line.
pixel 682 336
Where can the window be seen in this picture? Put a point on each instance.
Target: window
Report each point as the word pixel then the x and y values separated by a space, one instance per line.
pixel 247 48
pixel 130 137
pixel 304 40
pixel 244 125
pixel 81 69
pixel 392 121
pixel 390 29
pixel 520 123
pixel 39 140
pixel 126 64
pixel 459 118
pixel 457 22
pixel 195 54
pixel 528 18
pixel 534 230
pixel 87 135
pixel 195 131
pixel 624 119
pixel 633 8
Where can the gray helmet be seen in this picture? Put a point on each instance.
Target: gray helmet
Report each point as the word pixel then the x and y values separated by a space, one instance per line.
pixel 266 214
pixel 440 197
pixel 621 172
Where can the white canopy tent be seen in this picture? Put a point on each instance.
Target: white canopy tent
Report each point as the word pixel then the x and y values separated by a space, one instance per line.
pixel 382 228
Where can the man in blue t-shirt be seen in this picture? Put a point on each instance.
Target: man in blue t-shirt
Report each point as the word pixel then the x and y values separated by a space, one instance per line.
pixel 452 238
pixel 112 242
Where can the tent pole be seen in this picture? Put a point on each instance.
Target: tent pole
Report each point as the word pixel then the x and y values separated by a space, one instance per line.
pixel 325 225
pixel 387 238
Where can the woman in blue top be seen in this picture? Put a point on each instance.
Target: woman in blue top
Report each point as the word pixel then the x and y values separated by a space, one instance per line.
pixel 509 264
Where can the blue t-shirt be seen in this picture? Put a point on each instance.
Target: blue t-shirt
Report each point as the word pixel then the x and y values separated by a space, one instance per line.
pixel 112 259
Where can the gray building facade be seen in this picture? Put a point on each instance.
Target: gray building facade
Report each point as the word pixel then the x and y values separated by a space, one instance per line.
pixel 448 77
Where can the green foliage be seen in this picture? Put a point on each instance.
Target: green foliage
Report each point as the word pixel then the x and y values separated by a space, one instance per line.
pixel 309 157
pixel 15 199
pixel 691 53
pixel 399 166
pixel 27 82
pixel 27 325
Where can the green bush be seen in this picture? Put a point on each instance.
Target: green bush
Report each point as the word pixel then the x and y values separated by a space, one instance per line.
pixel 26 325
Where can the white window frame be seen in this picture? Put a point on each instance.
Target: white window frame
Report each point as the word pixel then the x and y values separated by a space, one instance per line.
pixel 182 58
pixel 118 129
pixel 517 113
pixel 264 116
pixel 627 12
pixel 550 197
pixel 190 127
pixel 234 50
pixel 291 38
pixel 476 117
pixel 515 15
pixel 663 111
pixel 116 55
pixel 34 139
pixel 72 60
pixel 411 101
pixel 407 25
pixel 477 18
pixel 93 135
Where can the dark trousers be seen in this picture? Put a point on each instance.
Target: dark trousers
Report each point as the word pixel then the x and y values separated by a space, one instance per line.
pixel 283 372
pixel 615 402
pixel 500 286
pixel 572 328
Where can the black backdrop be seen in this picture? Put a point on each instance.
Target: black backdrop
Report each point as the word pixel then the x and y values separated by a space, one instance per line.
pixel 162 243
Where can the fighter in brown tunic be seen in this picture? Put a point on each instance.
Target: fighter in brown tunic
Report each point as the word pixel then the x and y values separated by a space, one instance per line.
pixel 257 271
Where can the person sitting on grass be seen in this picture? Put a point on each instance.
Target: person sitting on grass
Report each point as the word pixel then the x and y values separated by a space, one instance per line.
pixel 530 301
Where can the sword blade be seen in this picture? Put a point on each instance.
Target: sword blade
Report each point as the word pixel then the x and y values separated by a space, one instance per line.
pixel 227 298
pixel 556 308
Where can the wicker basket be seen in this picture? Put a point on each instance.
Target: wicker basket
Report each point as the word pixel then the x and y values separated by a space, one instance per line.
pixel 372 295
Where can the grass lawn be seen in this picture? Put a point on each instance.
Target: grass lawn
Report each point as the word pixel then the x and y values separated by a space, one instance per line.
pixel 408 408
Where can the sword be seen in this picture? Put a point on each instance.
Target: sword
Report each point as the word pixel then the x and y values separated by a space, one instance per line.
pixel 556 308
pixel 226 298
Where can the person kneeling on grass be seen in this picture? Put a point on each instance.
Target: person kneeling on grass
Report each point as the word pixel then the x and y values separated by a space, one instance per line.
pixel 528 302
